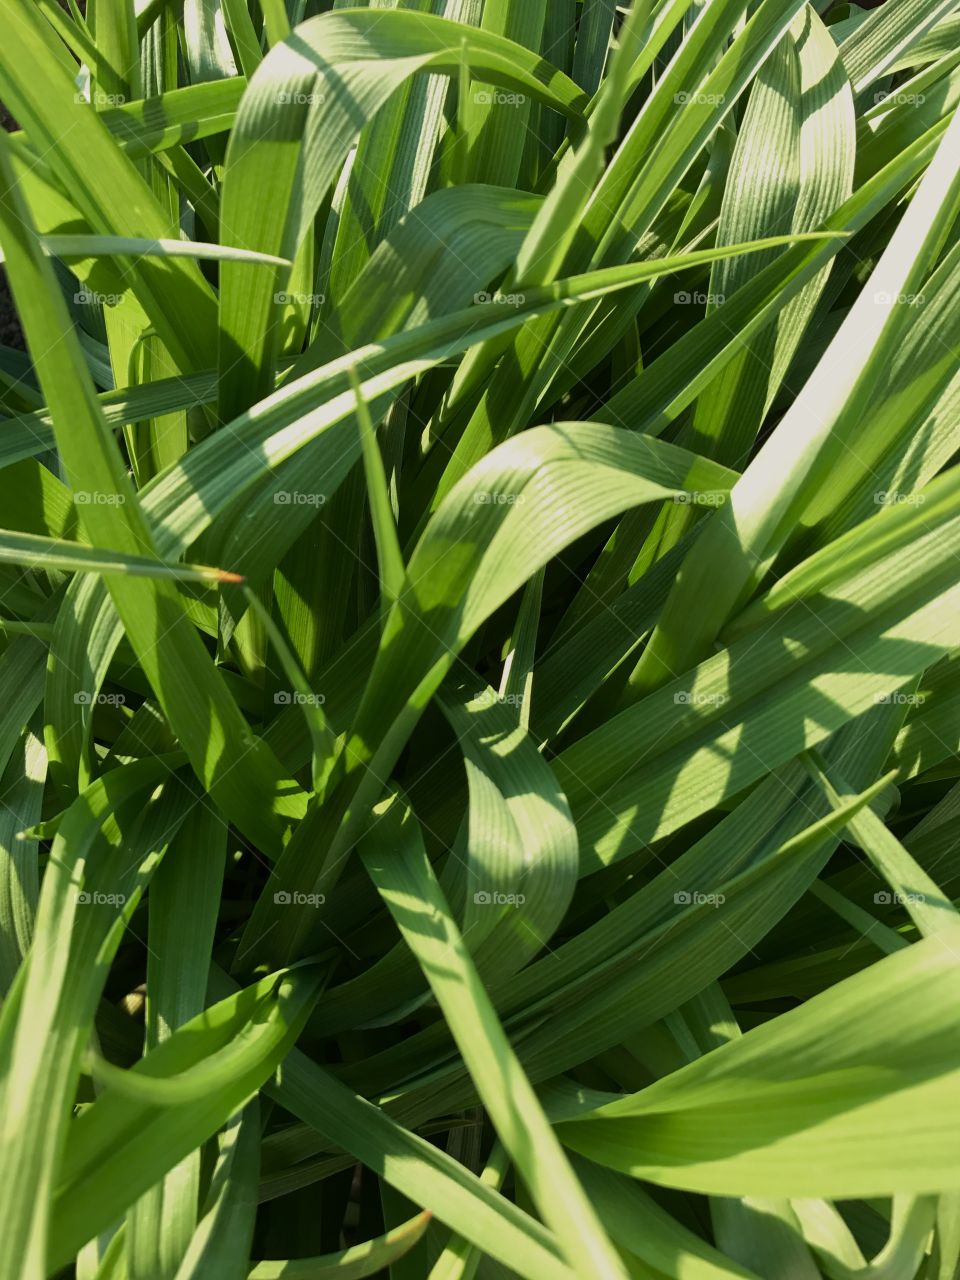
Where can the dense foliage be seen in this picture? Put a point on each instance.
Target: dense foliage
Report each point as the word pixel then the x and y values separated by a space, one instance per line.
pixel 479 664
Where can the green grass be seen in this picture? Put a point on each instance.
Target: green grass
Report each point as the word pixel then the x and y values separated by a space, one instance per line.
pixel 480 640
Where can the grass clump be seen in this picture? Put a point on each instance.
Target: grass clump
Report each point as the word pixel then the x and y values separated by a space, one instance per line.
pixel 479 640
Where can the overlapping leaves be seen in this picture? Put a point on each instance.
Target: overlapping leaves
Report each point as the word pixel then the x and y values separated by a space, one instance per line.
pixel 530 850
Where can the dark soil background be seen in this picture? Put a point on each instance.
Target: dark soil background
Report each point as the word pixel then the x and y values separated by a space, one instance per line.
pixel 10 335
